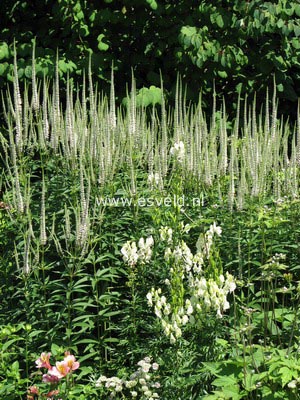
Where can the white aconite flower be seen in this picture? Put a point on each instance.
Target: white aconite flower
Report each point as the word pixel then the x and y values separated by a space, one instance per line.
pixel 172 339
pixel 168 253
pixel 230 284
pixel 166 234
pixel 158 312
pixel 189 310
pixel 145 251
pixel 130 254
pixel 226 305
pixel 215 229
pixel 150 298
pixel 149 241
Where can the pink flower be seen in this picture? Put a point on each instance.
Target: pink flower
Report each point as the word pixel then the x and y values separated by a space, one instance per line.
pixel 71 362
pixel 44 361
pixel 60 370
pixel 52 393
pixel 33 390
pixel 47 378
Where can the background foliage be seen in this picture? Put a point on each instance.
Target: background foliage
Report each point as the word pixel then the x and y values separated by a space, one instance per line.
pixel 238 44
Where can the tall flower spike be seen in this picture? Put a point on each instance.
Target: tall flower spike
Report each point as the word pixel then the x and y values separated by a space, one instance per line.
pixel 35 96
pixel 17 104
pixel 112 104
pixel 43 235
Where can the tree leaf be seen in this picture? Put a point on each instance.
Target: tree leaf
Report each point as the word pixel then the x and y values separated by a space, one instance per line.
pixel 220 21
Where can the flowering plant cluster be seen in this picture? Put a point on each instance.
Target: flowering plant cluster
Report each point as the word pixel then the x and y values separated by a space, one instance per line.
pixel 62 369
pixel 178 151
pixel 193 292
pixel 132 253
pixel 155 180
pixel 140 384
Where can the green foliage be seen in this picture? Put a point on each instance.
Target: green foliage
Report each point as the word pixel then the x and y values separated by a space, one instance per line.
pixel 234 45
pixel 14 359
pixel 248 42
pixel 79 183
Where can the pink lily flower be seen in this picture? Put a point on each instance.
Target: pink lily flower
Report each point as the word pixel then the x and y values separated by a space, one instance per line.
pixel 44 361
pixel 60 370
pixel 71 362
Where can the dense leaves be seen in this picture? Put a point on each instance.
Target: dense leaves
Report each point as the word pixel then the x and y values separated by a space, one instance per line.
pixel 239 45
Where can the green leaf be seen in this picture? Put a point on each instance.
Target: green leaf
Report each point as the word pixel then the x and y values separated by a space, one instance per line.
pixel 222 74
pixel 101 45
pixel 224 381
pixel 84 30
pixel 7 344
pixel 232 392
pixel 56 350
pixel 297 30
pixel 188 30
pixel 280 87
pixel 220 21
pixel 4 51
pixel 3 69
pixel 152 4
pixel 287 375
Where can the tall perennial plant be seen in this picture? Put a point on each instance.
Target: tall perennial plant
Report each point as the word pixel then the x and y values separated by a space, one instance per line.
pixel 192 289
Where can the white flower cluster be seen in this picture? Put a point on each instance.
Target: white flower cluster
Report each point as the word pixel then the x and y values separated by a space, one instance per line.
pixel 142 252
pixel 191 292
pixel 155 180
pixel 166 234
pixel 140 385
pixel 181 255
pixel 171 322
pixel 210 295
pixel 208 239
pixel 177 151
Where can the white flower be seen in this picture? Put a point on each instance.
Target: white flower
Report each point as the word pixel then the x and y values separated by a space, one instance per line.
pixel 168 253
pixel 130 384
pixel 155 367
pixel 129 252
pixel 149 241
pixel 177 151
pixel 145 251
pixel 189 310
pixel 154 179
pixel 215 229
pixel 292 384
pixel 172 339
pixel 150 298
pixel 226 305
pixel 166 234
pixel 230 284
